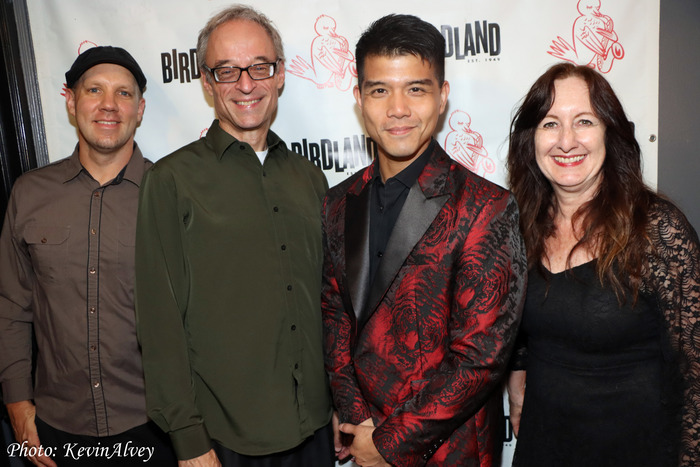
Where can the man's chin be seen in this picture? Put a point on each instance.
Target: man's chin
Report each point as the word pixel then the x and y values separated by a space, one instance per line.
pixel 401 156
pixel 107 145
pixel 407 151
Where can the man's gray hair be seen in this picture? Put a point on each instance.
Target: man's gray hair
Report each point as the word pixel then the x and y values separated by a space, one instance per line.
pixel 237 12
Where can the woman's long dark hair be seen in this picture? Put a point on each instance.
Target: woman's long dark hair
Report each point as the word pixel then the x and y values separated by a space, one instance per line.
pixel 614 221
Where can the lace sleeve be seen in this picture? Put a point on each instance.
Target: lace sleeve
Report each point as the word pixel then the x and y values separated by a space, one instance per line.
pixel 674 275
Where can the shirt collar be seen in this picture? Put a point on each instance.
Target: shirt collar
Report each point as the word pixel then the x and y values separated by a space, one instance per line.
pixel 220 141
pixel 410 174
pixel 133 171
pixel 73 167
pixel 135 167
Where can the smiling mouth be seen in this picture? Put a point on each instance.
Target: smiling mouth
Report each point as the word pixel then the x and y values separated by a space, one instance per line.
pixel 106 122
pixel 569 159
pixel 244 103
pixel 398 131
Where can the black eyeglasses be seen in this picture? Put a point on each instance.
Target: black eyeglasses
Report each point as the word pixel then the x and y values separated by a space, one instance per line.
pixel 231 74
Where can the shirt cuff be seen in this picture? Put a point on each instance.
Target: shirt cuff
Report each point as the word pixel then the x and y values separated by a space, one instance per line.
pixel 190 442
pixel 15 390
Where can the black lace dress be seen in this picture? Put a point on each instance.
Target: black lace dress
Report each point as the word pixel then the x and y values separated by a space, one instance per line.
pixel 610 385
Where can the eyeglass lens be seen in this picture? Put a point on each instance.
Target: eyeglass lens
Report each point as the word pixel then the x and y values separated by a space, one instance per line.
pixel 230 74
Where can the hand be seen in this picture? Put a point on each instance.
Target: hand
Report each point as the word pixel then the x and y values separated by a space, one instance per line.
pixel 516 395
pixel 22 415
pixel 208 459
pixel 341 452
pixel 362 447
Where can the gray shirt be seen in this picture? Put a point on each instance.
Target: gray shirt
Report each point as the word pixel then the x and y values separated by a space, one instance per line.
pixel 67 268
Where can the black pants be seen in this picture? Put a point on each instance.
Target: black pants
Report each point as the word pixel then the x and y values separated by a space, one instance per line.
pixel 316 451
pixel 130 448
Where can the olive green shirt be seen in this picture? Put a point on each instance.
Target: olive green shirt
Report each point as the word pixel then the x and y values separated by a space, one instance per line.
pixel 228 278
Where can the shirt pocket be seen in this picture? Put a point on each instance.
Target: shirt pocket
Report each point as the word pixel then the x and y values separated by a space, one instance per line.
pixel 48 248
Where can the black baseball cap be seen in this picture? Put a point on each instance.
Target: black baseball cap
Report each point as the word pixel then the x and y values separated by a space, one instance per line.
pixel 104 54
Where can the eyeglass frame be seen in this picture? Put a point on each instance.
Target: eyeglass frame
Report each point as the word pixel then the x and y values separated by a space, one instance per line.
pixel 242 69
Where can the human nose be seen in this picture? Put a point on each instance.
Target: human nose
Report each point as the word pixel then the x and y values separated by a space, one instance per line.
pixel 567 139
pixel 245 83
pixel 109 101
pixel 398 107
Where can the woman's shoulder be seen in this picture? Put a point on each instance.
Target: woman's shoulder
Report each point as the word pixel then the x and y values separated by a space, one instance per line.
pixel 665 215
pixel 668 227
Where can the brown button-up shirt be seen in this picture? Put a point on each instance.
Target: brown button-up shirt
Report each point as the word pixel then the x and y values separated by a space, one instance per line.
pixel 67 267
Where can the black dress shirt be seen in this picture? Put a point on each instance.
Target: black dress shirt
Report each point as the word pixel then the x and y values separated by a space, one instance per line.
pixel 387 199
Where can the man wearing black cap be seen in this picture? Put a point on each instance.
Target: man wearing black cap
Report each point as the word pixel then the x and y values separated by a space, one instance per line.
pixel 67 270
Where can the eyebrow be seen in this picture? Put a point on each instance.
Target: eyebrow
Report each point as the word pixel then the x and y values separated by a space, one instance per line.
pixel 580 114
pixel 256 60
pixel 425 82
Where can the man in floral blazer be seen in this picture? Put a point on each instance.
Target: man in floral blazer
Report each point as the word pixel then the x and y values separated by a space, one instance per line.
pixel 424 274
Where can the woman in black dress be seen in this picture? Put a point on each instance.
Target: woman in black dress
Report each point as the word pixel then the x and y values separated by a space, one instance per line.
pixel 610 339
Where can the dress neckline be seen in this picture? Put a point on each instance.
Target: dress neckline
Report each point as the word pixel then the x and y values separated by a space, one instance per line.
pixel 553 274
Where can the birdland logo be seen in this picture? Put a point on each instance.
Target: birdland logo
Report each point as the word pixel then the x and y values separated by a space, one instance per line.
pixel 179 66
pixel 466 146
pixel 475 42
pixel 331 64
pixel 347 156
pixel 594 41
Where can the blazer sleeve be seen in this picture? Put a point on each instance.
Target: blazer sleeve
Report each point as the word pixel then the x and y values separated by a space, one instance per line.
pixel 339 327
pixel 489 287
pixel 162 288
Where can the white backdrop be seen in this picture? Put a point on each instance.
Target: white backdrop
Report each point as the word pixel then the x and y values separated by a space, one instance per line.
pixel 495 51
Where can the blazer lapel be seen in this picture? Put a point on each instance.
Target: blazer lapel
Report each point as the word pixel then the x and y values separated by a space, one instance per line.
pixel 357 247
pixel 417 214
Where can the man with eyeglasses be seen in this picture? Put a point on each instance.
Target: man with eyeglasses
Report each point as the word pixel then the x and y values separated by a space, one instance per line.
pixel 228 272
